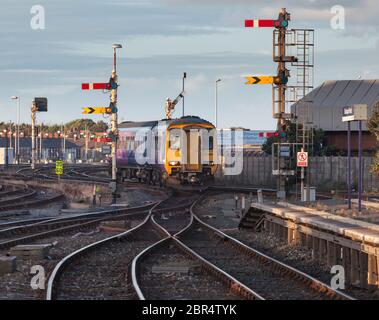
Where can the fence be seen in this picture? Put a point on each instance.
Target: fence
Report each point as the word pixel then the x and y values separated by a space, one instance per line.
pixel 325 173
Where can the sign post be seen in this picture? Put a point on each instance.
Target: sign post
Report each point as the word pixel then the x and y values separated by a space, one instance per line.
pixel 59 168
pixel 356 112
pixel 349 164
pixel 302 162
pixel 302 159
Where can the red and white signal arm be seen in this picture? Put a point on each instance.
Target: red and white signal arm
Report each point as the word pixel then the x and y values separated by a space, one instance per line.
pixel 302 159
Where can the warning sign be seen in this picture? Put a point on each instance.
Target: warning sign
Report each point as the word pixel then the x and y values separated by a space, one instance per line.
pixel 302 159
pixel 59 167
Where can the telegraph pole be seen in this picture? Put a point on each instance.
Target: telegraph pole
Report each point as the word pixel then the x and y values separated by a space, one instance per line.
pixel 114 120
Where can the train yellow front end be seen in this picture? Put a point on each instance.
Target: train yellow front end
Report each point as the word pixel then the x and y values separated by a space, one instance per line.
pixel 191 150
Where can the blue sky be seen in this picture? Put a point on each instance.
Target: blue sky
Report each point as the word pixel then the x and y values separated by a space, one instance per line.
pixel 161 39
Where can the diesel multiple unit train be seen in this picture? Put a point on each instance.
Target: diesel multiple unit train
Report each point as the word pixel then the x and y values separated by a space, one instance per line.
pixel 167 151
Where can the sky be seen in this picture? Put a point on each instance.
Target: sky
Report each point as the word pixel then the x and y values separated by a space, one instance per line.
pixel 162 39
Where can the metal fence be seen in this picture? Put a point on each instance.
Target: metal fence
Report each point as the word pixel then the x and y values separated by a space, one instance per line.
pixel 325 173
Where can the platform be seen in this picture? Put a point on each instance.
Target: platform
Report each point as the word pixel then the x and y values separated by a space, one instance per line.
pixel 333 239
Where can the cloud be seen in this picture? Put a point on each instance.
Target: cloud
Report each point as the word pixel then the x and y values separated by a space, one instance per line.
pixel 31 71
pixel 196 82
pixel 162 39
pixel 48 90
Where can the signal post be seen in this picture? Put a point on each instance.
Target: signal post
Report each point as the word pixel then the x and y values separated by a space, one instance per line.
pixel 114 127
pixel 283 38
pixel 112 86
pixel 34 116
pixel 38 105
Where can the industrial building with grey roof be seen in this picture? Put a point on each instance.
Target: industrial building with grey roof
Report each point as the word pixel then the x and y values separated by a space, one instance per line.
pixel 325 103
pixel 323 108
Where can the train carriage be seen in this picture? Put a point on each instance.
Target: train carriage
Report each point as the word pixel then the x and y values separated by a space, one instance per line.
pixel 171 150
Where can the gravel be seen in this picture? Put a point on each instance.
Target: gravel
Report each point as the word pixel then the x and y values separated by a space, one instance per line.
pixel 293 255
pixel 17 285
pixel 183 278
pixel 103 274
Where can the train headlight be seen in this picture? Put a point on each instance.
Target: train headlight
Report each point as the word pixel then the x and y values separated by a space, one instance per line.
pixel 174 163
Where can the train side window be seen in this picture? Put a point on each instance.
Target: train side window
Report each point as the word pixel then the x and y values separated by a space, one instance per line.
pixel 211 143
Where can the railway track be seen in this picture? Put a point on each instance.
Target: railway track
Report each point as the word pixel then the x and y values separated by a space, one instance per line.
pixel 103 266
pixel 166 272
pixel 23 196
pixel 20 196
pixel 170 270
pixel 12 235
pixel 72 173
pixel 172 248
pixel 100 270
pixel 37 201
pixel 267 277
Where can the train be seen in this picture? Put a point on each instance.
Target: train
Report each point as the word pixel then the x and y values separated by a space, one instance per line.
pixel 181 150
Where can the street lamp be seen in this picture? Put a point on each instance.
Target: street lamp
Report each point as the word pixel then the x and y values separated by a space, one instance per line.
pixel 216 100
pixel 115 47
pixel 184 79
pixel 6 147
pixel 17 148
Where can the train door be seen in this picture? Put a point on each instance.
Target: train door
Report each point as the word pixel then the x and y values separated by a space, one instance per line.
pixel 193 159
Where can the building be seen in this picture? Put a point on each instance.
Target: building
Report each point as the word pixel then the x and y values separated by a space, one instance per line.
pixel 51 149
pixel 322 107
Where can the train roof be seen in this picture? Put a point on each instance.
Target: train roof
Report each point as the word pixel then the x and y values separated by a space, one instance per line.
pixel 134 124
pixel 152 124
pixel 188 120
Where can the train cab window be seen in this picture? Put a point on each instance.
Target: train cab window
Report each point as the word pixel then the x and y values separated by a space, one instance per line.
pixel 174 141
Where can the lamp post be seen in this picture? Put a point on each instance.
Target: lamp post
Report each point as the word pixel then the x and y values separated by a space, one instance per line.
pixel 184 78
pixel 216 100
pixel 114 125
pixel 17 146
pixel 6 147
